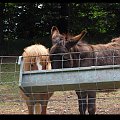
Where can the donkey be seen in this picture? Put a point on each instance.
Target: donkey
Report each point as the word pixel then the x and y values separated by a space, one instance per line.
pixel 67 52
pixel 36 57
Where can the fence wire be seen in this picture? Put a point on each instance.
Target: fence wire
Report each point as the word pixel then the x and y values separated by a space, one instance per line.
pixel 61 102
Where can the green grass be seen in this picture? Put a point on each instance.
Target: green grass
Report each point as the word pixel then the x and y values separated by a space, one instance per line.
pixel 9 81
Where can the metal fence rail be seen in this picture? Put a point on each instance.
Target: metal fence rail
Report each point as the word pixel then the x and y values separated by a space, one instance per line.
pixel 64 99
pixel 80 78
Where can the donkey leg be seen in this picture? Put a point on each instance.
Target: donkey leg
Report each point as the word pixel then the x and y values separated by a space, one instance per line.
pixel 28 102
pixel 40 103
pixel 82 96
pixel 44 101
pixel 34 106
pixel 30 106
pixel 37 108
pixel 91 102
pixel 44 109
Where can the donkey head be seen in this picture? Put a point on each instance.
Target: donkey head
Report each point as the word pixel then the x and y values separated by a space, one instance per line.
pixel 60 51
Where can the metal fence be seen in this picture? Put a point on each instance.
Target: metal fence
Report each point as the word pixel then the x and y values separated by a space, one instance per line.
pixel 64 99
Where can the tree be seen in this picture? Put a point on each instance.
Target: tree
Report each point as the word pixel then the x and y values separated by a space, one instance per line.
pixel 28 23
pixel 64 14
pixel 2 7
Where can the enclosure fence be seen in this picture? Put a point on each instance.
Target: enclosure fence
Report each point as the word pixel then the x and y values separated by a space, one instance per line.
pixel 105 80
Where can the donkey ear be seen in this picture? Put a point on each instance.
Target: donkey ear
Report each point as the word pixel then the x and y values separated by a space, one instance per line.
pixel 74 40
pixel 55 35
pixel 80 36
pixel 54 30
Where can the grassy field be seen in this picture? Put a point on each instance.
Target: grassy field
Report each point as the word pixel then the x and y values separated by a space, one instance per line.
pixel 9 79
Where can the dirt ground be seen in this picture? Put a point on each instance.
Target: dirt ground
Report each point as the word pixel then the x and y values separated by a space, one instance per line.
pixel 66 103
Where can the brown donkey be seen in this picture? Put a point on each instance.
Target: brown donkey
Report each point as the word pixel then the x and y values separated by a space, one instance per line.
pixel 68 52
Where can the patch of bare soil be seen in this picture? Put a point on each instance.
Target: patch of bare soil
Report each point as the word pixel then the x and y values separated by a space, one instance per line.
pixel 66 103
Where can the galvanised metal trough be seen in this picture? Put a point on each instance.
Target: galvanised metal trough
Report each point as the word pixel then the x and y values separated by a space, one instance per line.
pixel 80 78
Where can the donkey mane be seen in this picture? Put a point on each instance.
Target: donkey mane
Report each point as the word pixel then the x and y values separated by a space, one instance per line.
pixel 35 51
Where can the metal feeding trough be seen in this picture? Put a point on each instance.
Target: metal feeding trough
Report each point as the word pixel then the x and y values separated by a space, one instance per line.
pixel 80 78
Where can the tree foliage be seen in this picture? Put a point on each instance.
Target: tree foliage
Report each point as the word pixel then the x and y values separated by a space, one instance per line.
pixel 23 24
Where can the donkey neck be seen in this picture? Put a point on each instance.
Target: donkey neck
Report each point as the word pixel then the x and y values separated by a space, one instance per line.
pixel 82 55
